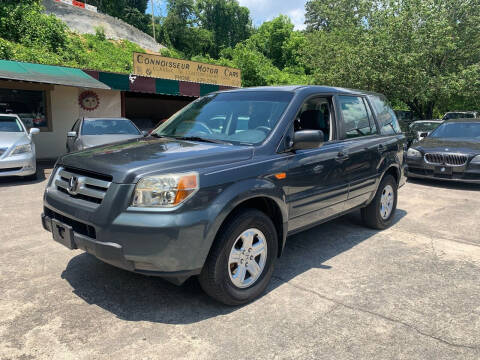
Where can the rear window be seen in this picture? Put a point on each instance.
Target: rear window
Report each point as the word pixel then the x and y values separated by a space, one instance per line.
pixel 385 115
pixel 109 127
pixel 458 115
pixel 10 124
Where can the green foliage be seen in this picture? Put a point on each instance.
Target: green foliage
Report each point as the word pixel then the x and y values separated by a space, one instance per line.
pixel 26 24
pixel 100 33
pixel 228 22
pixel 130 11
pixel 180 29
pixel 27 34
pixel 423 53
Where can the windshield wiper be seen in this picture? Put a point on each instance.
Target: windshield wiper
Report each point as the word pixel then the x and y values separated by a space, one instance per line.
pixel 158 136
pixel 197 138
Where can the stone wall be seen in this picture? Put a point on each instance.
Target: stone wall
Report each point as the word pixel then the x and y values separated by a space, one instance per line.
pixel 85 22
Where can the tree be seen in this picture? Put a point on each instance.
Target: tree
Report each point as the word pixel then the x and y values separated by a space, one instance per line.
pixel 419 52
pixel 277 40
pixel 131 11
pixel 329 14
pixel 228 22
pixel 180 29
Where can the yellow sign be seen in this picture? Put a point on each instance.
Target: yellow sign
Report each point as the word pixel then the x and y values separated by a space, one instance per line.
pixel 167 68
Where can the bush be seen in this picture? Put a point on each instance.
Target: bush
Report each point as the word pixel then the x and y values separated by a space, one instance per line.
pixel 26 34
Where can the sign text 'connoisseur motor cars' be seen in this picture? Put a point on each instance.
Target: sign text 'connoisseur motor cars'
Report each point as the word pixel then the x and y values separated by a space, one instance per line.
pixel 183 70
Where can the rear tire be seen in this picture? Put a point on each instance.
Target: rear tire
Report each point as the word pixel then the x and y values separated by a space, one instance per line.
pixel 221 277
pixel 380 212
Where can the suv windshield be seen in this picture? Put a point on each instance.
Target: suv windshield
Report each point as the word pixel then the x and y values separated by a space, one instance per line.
pixel 10 124
pixel 457 130
pixel 109 127
pixel 236 117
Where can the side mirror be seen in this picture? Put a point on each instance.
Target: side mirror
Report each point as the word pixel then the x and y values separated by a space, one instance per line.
pixel 72 134
pixel 145 133
pixel 307 139
pixel 423 134
pixel 34 131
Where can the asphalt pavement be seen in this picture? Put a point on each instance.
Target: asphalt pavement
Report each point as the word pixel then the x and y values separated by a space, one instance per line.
pixel 341 291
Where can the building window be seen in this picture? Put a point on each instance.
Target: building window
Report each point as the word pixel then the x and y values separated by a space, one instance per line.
pixel 29 105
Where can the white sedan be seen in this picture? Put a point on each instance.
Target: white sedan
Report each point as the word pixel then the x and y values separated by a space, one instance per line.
pixel 17 149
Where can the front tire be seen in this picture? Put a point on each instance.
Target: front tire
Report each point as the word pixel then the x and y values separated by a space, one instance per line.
pixel 380 212
pixel 241 261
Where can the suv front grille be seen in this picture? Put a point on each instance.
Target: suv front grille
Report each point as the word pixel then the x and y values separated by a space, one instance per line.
pixel 82 185
pixel 446 159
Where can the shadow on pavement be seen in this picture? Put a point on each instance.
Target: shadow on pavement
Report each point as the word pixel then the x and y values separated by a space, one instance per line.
pixel 445 184
pixel 135 297
pixel 9 181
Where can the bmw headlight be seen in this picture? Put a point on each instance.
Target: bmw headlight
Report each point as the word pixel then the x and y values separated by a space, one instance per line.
pixel 412 153
pixel 21 149
pixel 165 190
pixel 476 160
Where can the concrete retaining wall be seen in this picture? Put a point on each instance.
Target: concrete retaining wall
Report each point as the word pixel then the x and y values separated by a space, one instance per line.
pixel 85 22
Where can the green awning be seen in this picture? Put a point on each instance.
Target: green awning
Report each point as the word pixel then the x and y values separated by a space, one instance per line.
pixel 47 74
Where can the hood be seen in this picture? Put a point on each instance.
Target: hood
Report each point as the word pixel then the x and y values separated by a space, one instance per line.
pixel 128 160
pixel 9 139
pixel 96 140
pixel 464 146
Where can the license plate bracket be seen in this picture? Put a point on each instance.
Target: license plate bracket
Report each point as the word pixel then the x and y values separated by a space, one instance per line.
pixel 443 170
pixel 63 234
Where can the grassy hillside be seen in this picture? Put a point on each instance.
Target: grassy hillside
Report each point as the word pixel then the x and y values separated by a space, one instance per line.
pixel 26 34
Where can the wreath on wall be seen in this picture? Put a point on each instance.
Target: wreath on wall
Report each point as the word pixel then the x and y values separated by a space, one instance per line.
pixel 89 100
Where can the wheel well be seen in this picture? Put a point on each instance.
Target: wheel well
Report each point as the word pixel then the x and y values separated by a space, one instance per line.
pixel 394 172
pixel 268 207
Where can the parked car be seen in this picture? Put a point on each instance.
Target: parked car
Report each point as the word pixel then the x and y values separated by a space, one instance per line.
pixel 17 149
pixel 405 118
pixel 451 152
pixel 219 203
pixel 421 129
pixel 88 132
pixel 460 115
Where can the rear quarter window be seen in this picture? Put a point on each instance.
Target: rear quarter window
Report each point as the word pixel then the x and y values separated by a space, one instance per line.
pixel 385 115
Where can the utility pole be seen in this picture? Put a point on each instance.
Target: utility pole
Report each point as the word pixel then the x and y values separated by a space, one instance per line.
pixel 153 19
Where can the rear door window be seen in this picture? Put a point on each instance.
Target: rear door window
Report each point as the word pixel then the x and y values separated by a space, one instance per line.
pixel 356 120
pixel 385 115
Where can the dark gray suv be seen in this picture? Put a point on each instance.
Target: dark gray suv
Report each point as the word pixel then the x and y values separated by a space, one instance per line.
pixel 215 190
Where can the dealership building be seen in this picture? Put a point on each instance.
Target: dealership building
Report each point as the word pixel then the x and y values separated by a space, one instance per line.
pixel 52 98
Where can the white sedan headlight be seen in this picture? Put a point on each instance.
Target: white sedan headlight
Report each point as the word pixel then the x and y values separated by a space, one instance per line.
pixel 21 149
pixel 165 190
pixel 476 160
pixel 412 153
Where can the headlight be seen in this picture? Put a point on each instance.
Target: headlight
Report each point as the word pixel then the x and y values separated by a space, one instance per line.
pixel 165 190
pixel 476 160
pixel 21 149
pixel 414 153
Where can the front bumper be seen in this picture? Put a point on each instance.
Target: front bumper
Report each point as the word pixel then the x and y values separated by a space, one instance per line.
pixel 169 244
pixel 19 165
pixel 469 173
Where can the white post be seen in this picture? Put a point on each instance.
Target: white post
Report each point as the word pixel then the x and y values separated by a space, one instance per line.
pixel 153 19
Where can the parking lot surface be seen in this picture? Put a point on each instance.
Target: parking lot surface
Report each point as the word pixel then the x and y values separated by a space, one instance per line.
pixel 340 291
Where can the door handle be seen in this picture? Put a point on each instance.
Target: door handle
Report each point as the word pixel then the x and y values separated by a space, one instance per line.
pixel 342 156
